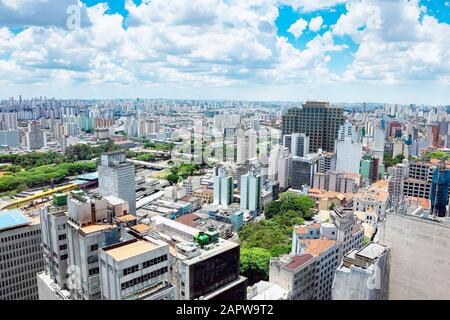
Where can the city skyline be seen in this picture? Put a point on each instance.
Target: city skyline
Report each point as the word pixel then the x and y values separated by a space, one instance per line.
pixel 266 50
pixel 225 150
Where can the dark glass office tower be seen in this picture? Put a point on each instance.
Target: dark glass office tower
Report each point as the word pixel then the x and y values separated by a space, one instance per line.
pixel 318 121
pixel 439 191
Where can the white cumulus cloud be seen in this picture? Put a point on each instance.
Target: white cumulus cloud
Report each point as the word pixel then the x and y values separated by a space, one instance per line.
pixel 316 24
pixel 298 27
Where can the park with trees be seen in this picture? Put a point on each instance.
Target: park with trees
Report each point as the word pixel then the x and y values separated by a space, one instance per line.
pixel 272 237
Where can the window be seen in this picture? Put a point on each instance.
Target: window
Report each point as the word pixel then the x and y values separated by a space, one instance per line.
pixel 129 270
pixel 62 237
pixel 94 247
pixel 94 271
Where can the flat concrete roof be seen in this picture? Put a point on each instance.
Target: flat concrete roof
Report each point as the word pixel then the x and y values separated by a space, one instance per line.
pixel 96 227
pixel 131 250
pixel 126 218
pixel 372 251
pixel 141 228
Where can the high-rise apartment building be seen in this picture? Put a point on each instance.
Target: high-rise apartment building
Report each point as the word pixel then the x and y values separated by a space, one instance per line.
pixel 117 178
pixel 8 121
pixel 246 147
pixel 318 121
pixel 251 192
pixel 379 136
pixel 397 181
pixel 20 256
pixel 223 187
pixel 348 155
pixel 280 162
pixel 35 136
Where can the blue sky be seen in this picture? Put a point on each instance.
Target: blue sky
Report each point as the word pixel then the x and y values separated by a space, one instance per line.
pixel 363 50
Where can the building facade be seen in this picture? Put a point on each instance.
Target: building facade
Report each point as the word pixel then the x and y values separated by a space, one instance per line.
pixel 318 121
pixel 117 178
pixel 363 274
pixel 21 256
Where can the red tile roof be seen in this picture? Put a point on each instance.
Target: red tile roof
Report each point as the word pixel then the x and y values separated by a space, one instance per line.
pixel 189 220
pixel 299 260
pixel 317 246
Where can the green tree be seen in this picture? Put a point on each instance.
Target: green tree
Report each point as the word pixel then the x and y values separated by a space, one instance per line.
pixel 255 264
pixel 438 155
pixel 263 235
pixel 173 178
pixel 79 152
pixel 272 209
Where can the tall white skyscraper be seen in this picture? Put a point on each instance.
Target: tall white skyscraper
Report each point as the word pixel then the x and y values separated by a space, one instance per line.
pixel 223 187
pixel 246 147
pixel 280 162
pixel 348 149
pixel 251 192
pixel 348 155
pixel 117 178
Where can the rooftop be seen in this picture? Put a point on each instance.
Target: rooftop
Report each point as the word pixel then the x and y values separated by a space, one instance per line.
pixel 264 290
pixel 114 200
pixel 204 190
pixel 12 219
pixel 298 260
pixel 129 250
pixel 321 194
pixel 88 176
pixel 317 246
pixel 190 219
pixel 304 229
pixel 372 251
pixel 141 228
pixel 380 184
pixel 373 194
pixel 96 228
pixel 214 249
pixel 126 218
